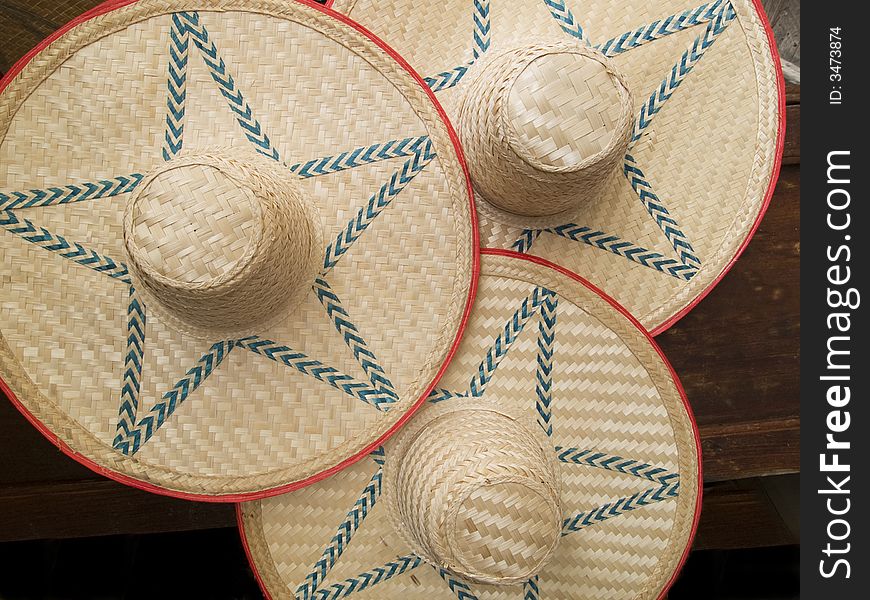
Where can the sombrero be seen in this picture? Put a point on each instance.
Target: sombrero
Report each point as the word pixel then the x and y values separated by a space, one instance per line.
pixel 635 143
pixel 556 459
pixel 238 243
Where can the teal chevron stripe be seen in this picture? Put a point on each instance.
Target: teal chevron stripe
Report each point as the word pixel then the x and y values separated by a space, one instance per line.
pixel 505 339
pixel 73 192
pixel 481 27
pixel 162 410
pixel 447 79
pixel 42 237
pixel 227 85
pixel 368 579
pixel 314 368
pixel 364 155
pixel 660 213
pixel 342 537
pixel 460 588
pixel 441 394
pixel 619 507
pixel 618 464
pixel 660 28
pixel 378 455
pixel 531 591
pixel 544 369
pixel 681 69
pixel 634 253
pixel 355 341
pixel 566 20
pixel 132 367
pixel 176 83
pixel 480 44
pixel 525 241
pixel 376 204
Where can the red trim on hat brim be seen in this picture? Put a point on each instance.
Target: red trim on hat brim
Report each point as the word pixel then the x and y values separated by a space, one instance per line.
pixel 622 310
pixel 774 176
pixel 475 273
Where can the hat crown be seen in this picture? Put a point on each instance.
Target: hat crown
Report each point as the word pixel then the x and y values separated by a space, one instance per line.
pixel 221 242
pixel 477 493
pixel 543 126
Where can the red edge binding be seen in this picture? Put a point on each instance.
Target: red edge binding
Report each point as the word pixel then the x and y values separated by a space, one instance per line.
pixel 622 310
pixel 475 273
pixel 774 177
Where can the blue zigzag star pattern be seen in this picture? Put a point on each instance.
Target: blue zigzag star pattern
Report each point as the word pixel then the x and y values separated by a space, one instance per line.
pixel 342 537
pixel 367 579
pixel 447 79
pixel 42 237
pixel 309 366
pixel 481 27
pixel 659 29
pixel 544 370
pixel 503 342
pixel 354 340
pixel 227 85
pixel 681 69
pixel 132 368
pixel 530 589
pixel 142 431
pixel 179 42
pixel 623 505
pixel 461 589
pixel 659 213
pixel 364 155
pixel 73 192
pixel 565 17
pixel 614 244
pixel 376 204
pixel 618 464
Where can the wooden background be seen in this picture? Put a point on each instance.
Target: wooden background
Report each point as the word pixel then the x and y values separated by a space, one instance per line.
pixel 737 355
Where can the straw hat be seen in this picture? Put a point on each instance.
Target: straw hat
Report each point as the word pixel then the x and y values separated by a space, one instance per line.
pixel 635 143
pixel 238 243
pixel 556 459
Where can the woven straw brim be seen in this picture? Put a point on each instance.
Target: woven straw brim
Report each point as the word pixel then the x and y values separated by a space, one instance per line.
pixel 543 344
pixel 695 181
pixel 120 389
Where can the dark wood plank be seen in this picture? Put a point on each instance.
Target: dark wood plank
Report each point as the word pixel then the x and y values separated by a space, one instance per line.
pixel 26 456
pixel 751 449
pixel 751 316
pixel 24 23
pixel 740 515
pixel 100 507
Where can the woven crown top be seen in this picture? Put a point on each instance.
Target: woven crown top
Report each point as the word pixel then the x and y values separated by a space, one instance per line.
pixel 222 241
pixel 564 108
pixel 544 125
pixel 475 492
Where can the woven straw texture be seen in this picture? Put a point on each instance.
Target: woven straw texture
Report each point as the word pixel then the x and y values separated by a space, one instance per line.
pixel 693 181
pixel 84 126
pixel 554 354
